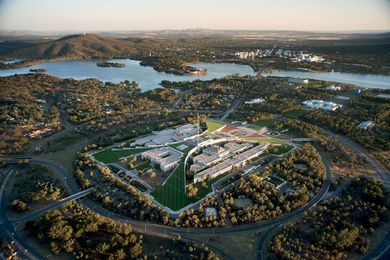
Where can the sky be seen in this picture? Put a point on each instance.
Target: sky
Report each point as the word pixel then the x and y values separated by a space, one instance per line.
pixel 109 15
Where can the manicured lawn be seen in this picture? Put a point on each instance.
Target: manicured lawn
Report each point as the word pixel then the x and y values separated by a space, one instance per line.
pixel 172 194
pixel 213 125
pixel 263 139
pixel 264 123
pixel 110 155
pixel 203 191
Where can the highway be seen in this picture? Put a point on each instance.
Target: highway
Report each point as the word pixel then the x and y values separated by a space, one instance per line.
pixel 44 210
pixel 233 107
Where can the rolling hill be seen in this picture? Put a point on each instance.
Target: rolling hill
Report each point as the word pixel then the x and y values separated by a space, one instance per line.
pixel 78 47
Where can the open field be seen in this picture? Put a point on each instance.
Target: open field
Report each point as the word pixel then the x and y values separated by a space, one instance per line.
pixel 203 191
pixel 110 155
pixel 213 125
pixel 263 139
pixel 61 143
pixel 173 194
pixel 264 123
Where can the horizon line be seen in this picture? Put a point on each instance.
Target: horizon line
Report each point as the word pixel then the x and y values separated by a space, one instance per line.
pixel 197 29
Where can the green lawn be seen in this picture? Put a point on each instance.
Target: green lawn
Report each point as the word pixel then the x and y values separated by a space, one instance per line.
pixel 172 194
pixel 203 191
pixel 213 125
pixel 108 155
pixel 264 123
pixel 263 140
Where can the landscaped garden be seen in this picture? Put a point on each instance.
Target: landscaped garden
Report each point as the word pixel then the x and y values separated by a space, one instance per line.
pixel 112 155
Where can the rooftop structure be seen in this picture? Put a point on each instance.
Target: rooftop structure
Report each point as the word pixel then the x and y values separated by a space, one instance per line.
pixel 383 96
pixel 216 153
pixel 333 88
pixel 255 101
pixel 182 147
pixel 215 150
pixel 39 131
pixel 366 125
pixel 210 155
pixel 297 80
pixel 166 157
pixel 210 212
pixel 167 136
pixel 237 161
pixel 321 104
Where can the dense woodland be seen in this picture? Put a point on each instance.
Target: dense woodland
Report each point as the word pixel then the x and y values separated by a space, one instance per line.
pixel 77 232
pixel 83 234
pixel 198 218
pixel 267 201
pixel 34 184
pixel 338 226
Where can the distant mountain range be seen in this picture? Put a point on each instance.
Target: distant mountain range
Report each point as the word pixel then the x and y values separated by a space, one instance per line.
pixel 274 34
pixel 78 47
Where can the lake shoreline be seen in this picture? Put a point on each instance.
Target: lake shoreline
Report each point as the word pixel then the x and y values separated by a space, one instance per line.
pixel 149 78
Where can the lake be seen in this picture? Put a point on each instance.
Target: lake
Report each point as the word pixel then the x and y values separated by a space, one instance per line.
pixel 148 78
pixel 363 80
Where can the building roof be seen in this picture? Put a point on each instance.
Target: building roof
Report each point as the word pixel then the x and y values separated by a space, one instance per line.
pixel 366 124
pixel 167 136
pixel 209 211
pixel 164 155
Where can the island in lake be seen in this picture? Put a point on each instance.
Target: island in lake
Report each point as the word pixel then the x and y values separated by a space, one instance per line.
pixel 194 71
pixel 38 70
pixel 110 64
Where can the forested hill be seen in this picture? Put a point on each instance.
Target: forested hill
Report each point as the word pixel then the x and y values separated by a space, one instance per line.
pixel 78 47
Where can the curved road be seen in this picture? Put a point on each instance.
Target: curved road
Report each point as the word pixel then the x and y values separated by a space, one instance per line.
pixel 190 233
pixel 382 251
pixel 156 229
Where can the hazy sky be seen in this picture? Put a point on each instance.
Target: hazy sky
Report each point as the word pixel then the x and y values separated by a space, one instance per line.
pixel 183 14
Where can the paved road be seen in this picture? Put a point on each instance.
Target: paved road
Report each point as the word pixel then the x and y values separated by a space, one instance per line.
pixel 382 251
pixel 156 229
pixel 297 213
pixel 44 210
pixel 161 229
pixel 233 107
pixel 7 230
